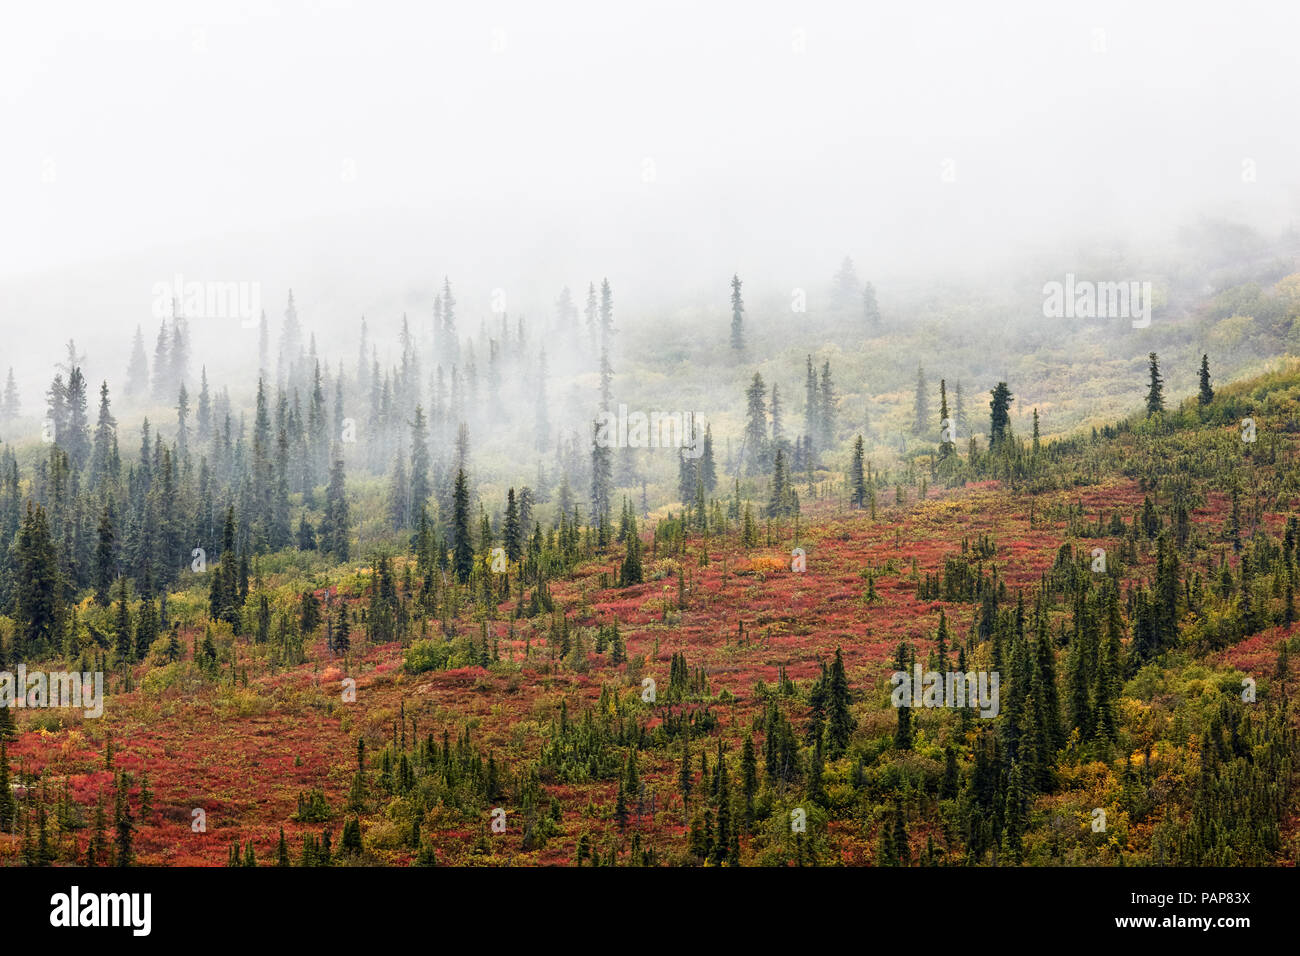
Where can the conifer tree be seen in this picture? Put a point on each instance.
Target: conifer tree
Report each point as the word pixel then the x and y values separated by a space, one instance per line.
pixel 75 437
pixel 8 806
pixel 708 470
pixel 137 369
pixel 812 403
pixel 946 445
pixel 105 555
pixel 756 426
pixel 513 532
pixel 857 476
pixel 56 402
pixel 182 422
pixel 826 397
pixel 1155 387
pixel 1016 813
pixel 146 627
pixel 334 527
pixel 37 586
pixel 161 382
pixel 921 405
pixel 1206 393
pixel 420 486
pixel 902 853
pixel 737 315
pixel 10 405
pixel 1044 688
pixel 687 477
pixel 870 311
pixel 839 722
pixel 630 572
pixel 203 414
pixel 748 779
pixel 463 560
pixel 342 629
pixel 846 287
pixel 105 441
pixel 399 495
pixel 780 503
pixel 602 485
pixel 306 534
pixel 685 776
pixel 1000 414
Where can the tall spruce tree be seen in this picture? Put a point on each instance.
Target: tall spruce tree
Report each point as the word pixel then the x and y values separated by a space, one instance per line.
pixel 137 369
pixel 1206 393
pixel 857 476
pixel 755 455
pixel 1000 414
pixel 737 315
pixel 870 311
pixel 335 525
pixel 463 547
pixel 1155 387
pixel 839 722
pixel 38 587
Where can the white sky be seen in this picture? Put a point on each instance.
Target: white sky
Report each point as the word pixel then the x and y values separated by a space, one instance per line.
pixel 506 144
pixel 163 120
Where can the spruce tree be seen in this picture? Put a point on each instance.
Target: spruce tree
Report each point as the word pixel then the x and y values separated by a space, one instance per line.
pixel 334 527
pixel 708 470
pixel 846 287
pixel 737 315
pixel 857 476
pixel 463 547
pixel 75 437
pixel 1206 393
pixel 826 397
pixel 1155 387
pixel 748 779
pixel 512 532
pixel 420 485
pixel 812 404
pixel 37 587
pixel 839 722
pixel 203 415
pixel 8 807
pixel 105 441
pixel 342 629
pixel 105 555
pixel 870 311
pixel 1000 414
pixel 946 444
pixel 756 426
pixel 306 534
pixel 630 572
pixel 921 404
pixel 602 485
pixel 779 503
pixel 399 495
pixel 10 405
pixel 138 368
